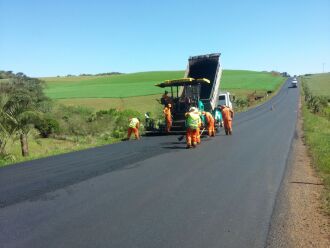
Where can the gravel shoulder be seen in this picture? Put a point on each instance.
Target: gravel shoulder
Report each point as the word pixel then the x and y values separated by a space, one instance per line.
pixel 298 219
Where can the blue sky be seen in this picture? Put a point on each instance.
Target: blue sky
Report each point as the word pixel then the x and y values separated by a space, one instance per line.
pixel 49 38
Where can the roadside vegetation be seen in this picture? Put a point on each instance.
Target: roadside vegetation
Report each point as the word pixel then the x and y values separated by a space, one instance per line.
pixel 32 125
pixel 48 116
pixel 316 116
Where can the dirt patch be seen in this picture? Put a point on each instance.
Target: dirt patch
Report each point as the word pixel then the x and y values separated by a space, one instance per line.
pixel 298 219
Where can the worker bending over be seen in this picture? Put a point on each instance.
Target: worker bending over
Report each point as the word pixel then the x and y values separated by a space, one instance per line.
pixel 218 117
pixel 168 117
pixel 227 115
pixel 210 123
pixel 192 123
pixel 134 124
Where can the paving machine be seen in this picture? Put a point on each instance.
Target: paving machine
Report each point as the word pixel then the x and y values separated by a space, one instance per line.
pixel 199 88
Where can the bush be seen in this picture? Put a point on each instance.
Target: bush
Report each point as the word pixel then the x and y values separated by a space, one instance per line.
pixel 241 102
pixel 121 123
pixel 47 127
pixel 316 104
pixel 78 121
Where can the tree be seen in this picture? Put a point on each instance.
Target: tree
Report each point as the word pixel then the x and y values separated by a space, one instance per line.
pixel 21 109
pixel 21 114
pixel 4 133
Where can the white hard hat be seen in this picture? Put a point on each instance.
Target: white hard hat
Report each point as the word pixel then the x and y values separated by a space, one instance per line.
pixel 193 109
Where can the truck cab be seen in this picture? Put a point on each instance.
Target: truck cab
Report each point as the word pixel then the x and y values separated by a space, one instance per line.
pixel 224 99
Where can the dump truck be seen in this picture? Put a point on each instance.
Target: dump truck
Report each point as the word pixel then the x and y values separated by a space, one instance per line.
pixel 199 88
pixel 225 99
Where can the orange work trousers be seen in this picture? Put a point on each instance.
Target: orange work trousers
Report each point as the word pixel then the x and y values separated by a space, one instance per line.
pixel 133 130
pixel 210 128
pixel 168 124
pixel 191 137
pixel 198 135
pixel 228 126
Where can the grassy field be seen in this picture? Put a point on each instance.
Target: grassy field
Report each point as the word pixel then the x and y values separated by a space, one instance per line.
pixel 319 84
pixel 116 86
pixel 317 131
pixel 250 80
pixel 137 90
pixel 139 103
pixel 142 84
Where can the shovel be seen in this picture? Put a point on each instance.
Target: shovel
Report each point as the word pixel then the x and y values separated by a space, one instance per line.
pixel 182 136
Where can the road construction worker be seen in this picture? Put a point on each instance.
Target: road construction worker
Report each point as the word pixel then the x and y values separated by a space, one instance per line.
pixel 209 123
pixel 218 117
pixel 168 117
pixel 192 123
pixel 134 124
pixel 227 115
pixel 165 100
pixel 200 123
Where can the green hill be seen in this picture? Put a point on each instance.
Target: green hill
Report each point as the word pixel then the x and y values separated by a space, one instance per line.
pixel 142 84
pixel 125 85
pixel 137 90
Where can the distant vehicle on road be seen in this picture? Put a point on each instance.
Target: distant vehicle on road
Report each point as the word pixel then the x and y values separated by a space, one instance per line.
pixel 294 83
pixel 224 99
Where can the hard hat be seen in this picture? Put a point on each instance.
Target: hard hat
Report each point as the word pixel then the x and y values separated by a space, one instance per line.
pixel 193 109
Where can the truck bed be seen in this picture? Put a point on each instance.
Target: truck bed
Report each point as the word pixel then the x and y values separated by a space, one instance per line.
pixel 206 66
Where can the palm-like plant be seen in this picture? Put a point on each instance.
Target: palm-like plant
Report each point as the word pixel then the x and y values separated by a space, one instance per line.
pixel 4 133
pixel 20 113
pixel 22 102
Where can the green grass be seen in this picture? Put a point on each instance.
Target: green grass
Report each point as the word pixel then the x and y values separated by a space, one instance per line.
pixel 250 80
pixel 141 104
pixel 142 84
pixel 319 84
pixel 137 91
pixel 317 132
pixel 45 147
pixel 116 86
pixel 317 137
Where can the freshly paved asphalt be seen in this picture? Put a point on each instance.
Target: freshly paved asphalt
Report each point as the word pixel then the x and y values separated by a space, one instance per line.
pixel 155 193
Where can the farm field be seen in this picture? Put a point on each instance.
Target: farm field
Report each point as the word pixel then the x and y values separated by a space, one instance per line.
pixel 139 103
pixel 319 84
pixel 137 91
pixel 116 86
pixel 250 80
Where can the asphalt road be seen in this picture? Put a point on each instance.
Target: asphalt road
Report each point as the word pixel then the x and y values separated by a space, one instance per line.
pixel 155 193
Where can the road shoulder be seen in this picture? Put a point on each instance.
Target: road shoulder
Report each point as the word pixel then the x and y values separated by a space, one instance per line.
pixel 298 220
